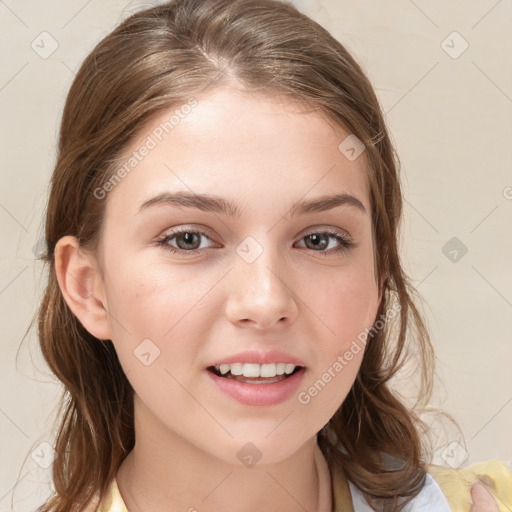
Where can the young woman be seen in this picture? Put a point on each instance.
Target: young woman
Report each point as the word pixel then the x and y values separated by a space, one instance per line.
pixel 226 304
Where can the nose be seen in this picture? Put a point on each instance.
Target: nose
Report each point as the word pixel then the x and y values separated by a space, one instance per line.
pixel 261 293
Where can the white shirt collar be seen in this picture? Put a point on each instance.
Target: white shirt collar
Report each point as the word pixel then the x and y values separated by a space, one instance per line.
pixel 430 498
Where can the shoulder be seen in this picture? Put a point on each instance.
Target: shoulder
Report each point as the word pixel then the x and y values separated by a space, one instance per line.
pixel 430 498
pixel 456 483
pixel 449 490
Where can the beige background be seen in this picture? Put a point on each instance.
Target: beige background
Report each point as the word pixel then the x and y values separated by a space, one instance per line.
pixel 448 111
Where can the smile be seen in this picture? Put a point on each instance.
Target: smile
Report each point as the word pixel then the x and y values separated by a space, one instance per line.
pixel 254 384
pixel 255 370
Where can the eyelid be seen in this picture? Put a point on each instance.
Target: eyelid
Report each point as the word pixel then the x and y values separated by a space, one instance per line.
pixel 328 229
pixel 210 234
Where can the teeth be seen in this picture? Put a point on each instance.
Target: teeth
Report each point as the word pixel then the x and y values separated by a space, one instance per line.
pixel 256 370
pixel 224 368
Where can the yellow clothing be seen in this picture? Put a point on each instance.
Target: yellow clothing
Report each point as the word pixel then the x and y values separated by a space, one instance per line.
pixel 455 484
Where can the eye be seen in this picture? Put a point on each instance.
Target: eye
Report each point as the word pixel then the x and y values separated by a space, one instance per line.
pixel 188 240
pixel 320 240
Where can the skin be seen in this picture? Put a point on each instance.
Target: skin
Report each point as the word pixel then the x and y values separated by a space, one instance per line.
pixel 482 499
pixel 263 153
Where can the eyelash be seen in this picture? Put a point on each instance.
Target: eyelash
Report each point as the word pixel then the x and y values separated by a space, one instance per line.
pixel 345 242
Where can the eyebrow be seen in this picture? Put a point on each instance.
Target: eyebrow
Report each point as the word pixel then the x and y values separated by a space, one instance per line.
pixel 216 204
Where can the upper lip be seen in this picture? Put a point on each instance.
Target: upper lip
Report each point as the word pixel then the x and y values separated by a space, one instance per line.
pixel 274 356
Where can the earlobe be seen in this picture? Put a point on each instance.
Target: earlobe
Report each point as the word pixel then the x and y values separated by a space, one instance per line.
pixel 81 285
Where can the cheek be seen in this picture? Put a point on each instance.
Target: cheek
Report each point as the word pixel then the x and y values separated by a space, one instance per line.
pixel 349 301
pixel 346 309
pixel 157 312
pixel 155 339
pixel 147 296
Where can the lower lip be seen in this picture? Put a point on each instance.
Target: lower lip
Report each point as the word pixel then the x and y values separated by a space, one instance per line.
pixel 259 394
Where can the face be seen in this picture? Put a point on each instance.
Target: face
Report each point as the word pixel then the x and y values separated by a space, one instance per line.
pixel 190 284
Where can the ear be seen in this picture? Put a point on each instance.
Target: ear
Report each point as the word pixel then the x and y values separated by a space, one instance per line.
pixel 82 286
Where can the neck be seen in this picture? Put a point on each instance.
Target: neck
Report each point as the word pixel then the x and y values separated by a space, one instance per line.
pixel 164 473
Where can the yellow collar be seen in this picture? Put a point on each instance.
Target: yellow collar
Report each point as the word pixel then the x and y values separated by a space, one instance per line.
pixel 341 497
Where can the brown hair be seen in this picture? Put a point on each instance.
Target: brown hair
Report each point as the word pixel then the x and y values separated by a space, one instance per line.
pixel 160 57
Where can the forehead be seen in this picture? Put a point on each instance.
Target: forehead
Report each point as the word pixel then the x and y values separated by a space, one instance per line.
pixel 241 144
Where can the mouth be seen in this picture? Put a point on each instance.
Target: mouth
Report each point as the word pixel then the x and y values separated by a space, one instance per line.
pixel 257 385
pixel 251 373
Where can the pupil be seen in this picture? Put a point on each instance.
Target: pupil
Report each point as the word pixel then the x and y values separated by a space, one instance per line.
pixel 318 243
pixel 188 238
